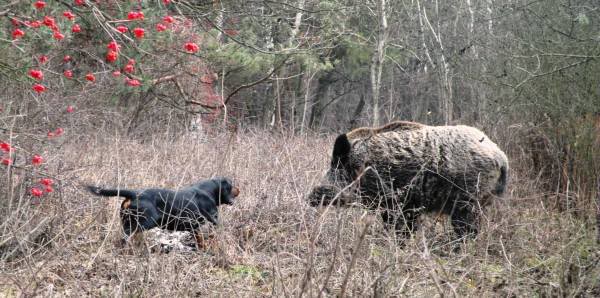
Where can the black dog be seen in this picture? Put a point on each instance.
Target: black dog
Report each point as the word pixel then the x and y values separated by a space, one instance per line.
pixel 183 210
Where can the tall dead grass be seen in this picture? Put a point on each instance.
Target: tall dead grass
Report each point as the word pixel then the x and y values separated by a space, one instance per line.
pixel 270 242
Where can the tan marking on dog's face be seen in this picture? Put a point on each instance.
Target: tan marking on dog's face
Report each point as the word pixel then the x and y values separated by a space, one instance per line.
pixel 126 203
pixel 235 192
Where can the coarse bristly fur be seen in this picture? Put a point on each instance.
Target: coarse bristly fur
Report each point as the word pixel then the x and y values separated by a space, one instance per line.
pixel 185 209
pixel 404 169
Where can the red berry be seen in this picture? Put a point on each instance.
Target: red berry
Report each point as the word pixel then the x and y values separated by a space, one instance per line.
pixel 135 15
pixel 113 45
pixel 128 68
pixel 18 33
pixel 122 29
pixel 58 36
pixel 39 4
pixel 68 74
pixel 43 59
pixel 79 2
pixel 90 77
pixel 47 181
pixel 66 58
pixel 49 21
pixel 76 28
pixel 36 192
pixel 59 131
pixel 35 24
pixel 116 73
pixel 36 74
pixel 49 189
pixel 50 134
pixel 111 56
pixel 160 27
pixel 132 83
pixel 70 109
pixel 39 88
pixel 69 15
pixel 6 161
pixel 191 47
pixel 168 19
pixel 139 32
pixel 37 160
pixel 5 147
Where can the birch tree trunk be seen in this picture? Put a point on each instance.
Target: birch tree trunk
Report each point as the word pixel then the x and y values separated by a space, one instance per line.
pixel 297 21
pixel 446 105
pixel 377 59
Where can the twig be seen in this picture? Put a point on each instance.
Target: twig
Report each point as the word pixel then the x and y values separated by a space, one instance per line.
pixel 333 258
pixel 256 82
pixel 354 258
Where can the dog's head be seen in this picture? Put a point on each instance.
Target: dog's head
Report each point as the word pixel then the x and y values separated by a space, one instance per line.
pixel 225 192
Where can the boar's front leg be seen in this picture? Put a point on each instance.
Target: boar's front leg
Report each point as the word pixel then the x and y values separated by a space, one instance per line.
pixel 464 219
pixel 404 223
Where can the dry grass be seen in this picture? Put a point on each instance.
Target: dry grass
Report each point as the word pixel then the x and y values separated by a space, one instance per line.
pixel 271 243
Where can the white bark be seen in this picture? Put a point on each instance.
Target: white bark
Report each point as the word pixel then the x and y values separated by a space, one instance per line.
pixel 489 16
pixel 422 29
pixel 378 57
pixel 219 19
pixel 297 21
pixel 446 105
pixel 472 17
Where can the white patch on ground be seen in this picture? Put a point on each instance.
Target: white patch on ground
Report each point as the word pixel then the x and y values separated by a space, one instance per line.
pixel 168 241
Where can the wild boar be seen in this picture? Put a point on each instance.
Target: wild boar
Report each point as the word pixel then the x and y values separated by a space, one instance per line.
pixel 405 169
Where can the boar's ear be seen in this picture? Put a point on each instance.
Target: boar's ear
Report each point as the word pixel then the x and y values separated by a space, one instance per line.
pixel 341 150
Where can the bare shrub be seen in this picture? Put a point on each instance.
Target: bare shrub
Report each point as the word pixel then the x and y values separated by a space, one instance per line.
pixel 271 242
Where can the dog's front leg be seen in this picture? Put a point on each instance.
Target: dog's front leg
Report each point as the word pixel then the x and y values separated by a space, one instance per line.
pixel 204 241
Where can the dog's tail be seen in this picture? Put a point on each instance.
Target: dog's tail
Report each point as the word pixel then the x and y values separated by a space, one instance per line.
pixel 126 193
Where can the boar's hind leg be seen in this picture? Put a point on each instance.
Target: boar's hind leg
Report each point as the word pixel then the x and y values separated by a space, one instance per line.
pixel 402 222
pixel 464 221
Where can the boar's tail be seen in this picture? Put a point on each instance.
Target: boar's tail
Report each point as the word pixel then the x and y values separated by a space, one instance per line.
pixel 502 181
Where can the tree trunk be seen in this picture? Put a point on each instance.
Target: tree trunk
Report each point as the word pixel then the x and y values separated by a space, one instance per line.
pixel 297 21
pixel 309 78
pixel 357 111
pixel 320 96
pixel 446 105
pixel 598 211
pixel 377 59
pixel 219 19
